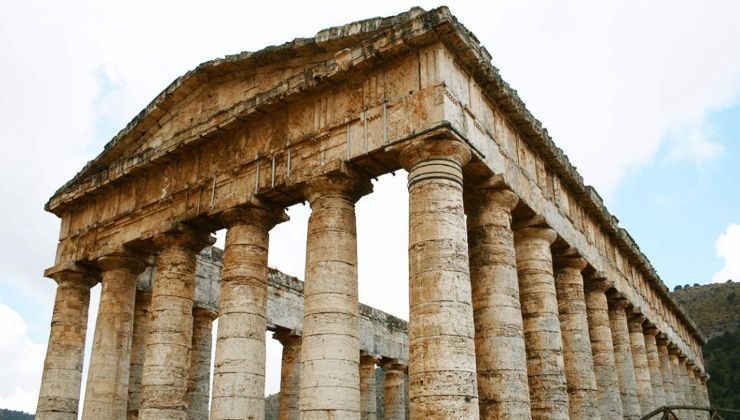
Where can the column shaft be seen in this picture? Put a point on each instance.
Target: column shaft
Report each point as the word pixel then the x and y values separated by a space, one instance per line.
pixel 688 397
pixel 138 345
pixel 623 358
pixel 676 376
pixel 166 371
pixel 368 405
pixel 199 387
pixel 59 396
pixel 239 368
pixel 394 394
pixel 545 366
pixel 642 369
pixel 442 375
pixel 577 355
pixel 501 359
pixel 665 369
pixel 106 394
pixel 656 377
pixel 602 347
pixel 330 351
pixel 290 376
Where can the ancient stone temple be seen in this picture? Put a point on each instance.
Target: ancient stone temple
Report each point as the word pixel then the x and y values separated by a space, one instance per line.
pixel 527 300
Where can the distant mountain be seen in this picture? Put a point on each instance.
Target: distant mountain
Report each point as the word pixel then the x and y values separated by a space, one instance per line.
pixel 14 415
pixel 716 310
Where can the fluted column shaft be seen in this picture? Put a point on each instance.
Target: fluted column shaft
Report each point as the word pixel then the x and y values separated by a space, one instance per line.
pixel 290 376
pixel 676 376
pixel 394 395
pixel 199 388
pixel 442 374
pixel 642 369
pixel 106 394
pixel 545 366
pixel 602 347
pixel 665 369
pixel 501 359
pixel 166 371
pixel 577 355
pixel 59 396
pixel 330 353
pixel 239 368
pixel 368 388
pixel 687 388
pixel 623 359
pixel 142 309
pixel 656 377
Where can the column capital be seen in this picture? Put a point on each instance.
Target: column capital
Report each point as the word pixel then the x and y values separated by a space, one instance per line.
pixel 264 215
pixel 73 274
pixel 535 232
pixel 673 350
pixel 338 180
pixel 650 330
pixel 597 281
pixel 393 365
pixel 132 262
pixel 184 236
pixel 618 302
pixel 690 363
pixel 366 357
pixel 287 337
pixel 204 313
pixel 662 339
pixel 420 150
pixel 570 262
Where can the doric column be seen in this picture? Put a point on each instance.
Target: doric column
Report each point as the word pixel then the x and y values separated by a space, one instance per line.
pixel 689 389
pixel 623 358
pixel 665 369
pixel 676 368
pixel 703 378
pixel 545 366
pixel 59 397
pixel 330 353
pixel 442 376
pixel 239 368
pixel 166 371
pixel 142 311
pixel 199 387
pixel 368 388
pixel 106 395
pixel 583 397
pixel 501 359
pixel 602 347
pixel 656 377
pixel 639 358
pixel 394 391
pixel 290 375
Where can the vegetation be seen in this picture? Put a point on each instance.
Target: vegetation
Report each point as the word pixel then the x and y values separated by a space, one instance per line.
pixel 14 415
pixel 722 359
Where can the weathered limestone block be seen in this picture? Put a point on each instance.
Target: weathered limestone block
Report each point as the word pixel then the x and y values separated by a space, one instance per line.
pixel 239 368
pixel 665 369
pixel 577 354
pixel 166 371
pixel 199 387
pixel 501 359
pixel 368 388
pixel 59 397
pixel 330 351
pixel 442 376
pixel 290 375
pixel 545 366
pixel 656 377
pixel 623 358
pixel 639 358
pixel 602 347
pixel 106 394
pixel 394 395
pixel 142 309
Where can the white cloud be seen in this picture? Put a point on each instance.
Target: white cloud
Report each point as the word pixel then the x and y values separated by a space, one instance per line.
pixel 22 363
pixel 728 248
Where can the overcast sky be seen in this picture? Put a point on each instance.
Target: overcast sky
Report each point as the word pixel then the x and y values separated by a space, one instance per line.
pixel 644 97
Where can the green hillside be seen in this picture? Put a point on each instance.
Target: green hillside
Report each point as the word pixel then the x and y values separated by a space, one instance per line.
pixel 14 415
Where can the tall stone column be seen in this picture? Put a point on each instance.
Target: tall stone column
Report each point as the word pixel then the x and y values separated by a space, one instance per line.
pixel 676 367
pixel 665 369
pixel 688 389
pixel 330 353
pixel 106 394
pixel 602 347
pixel 290 375
pixel 239 368
pixel 442 376
pixel 501 359
pixel 583 396
pixel 639 358
pixel 199 387
pixel 394 395
pixel 59 396
pixel 368 388
pixel 623 358
pixel 142 309
pixel 545 366
pixel 656 377
pixel 166 370
pixel 703 378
